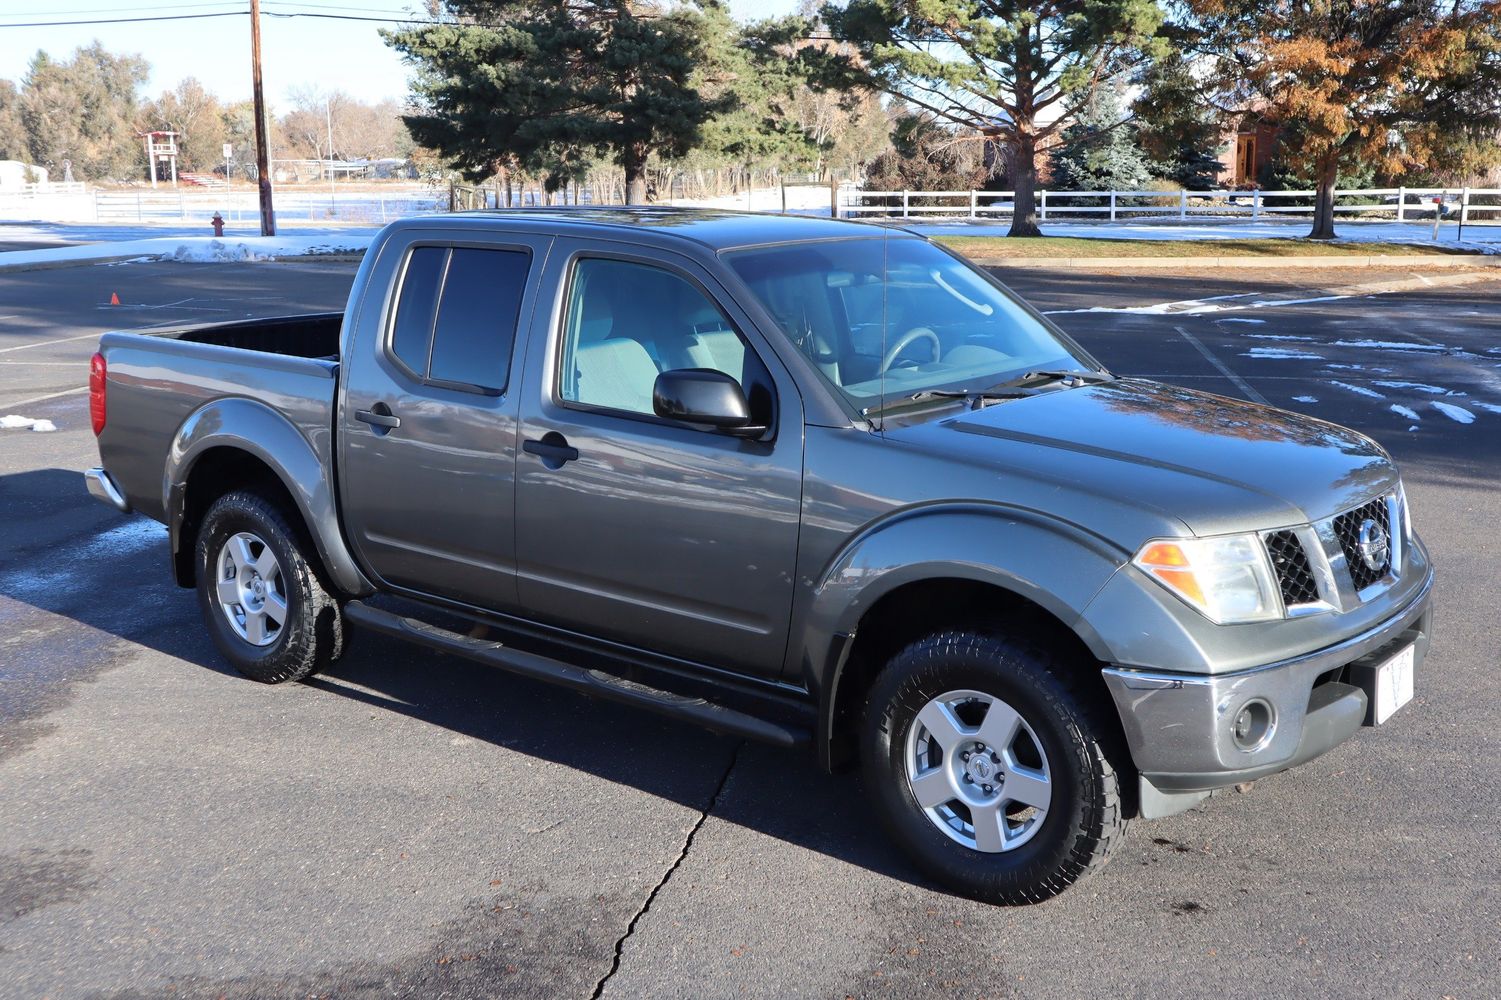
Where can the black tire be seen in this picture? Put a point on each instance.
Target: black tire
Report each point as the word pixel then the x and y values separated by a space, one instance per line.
pixel 312 635
pixel 1084 820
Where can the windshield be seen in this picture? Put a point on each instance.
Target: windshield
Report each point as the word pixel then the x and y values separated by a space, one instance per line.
pixel 885 318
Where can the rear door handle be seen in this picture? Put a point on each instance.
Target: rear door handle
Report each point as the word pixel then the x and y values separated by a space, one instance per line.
pixel 379 415
pixel 553 449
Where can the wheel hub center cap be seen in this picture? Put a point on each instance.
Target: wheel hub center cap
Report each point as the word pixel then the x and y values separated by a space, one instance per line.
pixel 981 769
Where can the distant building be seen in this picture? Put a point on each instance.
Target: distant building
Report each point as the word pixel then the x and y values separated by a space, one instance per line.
pixel 1248 151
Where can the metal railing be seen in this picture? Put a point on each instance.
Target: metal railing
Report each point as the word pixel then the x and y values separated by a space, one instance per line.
pixel 1402 204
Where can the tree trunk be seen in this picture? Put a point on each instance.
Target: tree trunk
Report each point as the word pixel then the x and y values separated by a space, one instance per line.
pixel 1024 182
pixel 1323 209
pixel 634 162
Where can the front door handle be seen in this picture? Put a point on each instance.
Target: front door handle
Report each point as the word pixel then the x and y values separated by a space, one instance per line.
pixel 379 415
pixel 553 449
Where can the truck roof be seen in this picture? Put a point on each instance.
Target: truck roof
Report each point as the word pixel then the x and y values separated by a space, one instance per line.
pixel 716 229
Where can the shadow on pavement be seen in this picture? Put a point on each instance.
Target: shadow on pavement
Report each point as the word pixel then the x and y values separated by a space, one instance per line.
pixel 113 577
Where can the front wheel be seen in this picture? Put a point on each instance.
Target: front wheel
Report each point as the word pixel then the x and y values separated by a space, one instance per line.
pixel 262 599
pixel 988 769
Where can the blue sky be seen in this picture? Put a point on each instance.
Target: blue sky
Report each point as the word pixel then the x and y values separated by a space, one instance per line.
pixel 325 53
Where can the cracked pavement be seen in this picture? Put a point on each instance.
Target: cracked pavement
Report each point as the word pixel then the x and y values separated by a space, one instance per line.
pixel 412 825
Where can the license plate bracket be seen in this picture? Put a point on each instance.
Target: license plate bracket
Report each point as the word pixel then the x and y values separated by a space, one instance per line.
pixel 1388 683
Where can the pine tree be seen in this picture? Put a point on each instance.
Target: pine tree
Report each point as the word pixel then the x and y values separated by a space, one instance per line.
pixel 82 110
pixel 1097 152
pixel 1399 84
pixel 1177 126
pixel 1019 70
pixel 541 85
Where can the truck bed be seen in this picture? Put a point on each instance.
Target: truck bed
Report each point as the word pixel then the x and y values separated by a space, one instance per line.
pixel 159 381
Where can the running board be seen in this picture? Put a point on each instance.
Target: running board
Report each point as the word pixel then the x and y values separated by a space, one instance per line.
pixel 594 683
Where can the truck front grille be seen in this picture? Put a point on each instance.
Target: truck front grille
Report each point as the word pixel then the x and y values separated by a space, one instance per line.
pixel 1294 573
pixel 1347 530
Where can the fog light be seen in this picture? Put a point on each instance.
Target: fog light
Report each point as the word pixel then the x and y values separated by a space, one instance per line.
pixel 1253 725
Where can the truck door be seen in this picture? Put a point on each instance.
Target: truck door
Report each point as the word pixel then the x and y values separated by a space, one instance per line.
pixel 639 529
pixel 427 418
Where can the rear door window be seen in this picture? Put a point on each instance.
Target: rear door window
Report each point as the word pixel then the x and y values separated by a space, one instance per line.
pixel 456 318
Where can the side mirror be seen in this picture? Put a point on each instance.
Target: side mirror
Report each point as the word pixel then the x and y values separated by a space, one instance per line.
pixel 704 396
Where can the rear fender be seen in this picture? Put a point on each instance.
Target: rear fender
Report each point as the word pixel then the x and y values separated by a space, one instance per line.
pixel 257 429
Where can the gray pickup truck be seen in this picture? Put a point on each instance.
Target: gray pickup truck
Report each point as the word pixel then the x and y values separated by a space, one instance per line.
pixel 812 482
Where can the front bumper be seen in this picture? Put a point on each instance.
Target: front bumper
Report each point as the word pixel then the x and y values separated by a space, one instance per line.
pixel 1178 726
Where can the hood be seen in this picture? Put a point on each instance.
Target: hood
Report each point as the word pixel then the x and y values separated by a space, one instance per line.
pixel 1216 464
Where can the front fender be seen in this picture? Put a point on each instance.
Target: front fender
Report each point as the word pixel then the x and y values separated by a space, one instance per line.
pixel 255 428
pixel 1054 564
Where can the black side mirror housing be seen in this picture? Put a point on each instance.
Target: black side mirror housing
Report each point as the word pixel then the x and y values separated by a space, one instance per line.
pixel 704 396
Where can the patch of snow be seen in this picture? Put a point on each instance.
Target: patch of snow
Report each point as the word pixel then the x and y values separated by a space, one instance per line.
pixel 43 426
pixel 1458 413
pixel 1281 354
pixel 1306 399
pixel 1432 390
pixel 14 421
pixel 1488 407
pixel 1405 411
pixel 1391 345
pixel 199 249
pixel 1240 319
pixel 1359 389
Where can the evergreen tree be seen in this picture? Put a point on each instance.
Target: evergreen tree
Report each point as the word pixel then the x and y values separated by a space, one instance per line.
pixel 83 110
pixel 1399 84
pixel 1097 151
pixel 12 135
pixel 1019 70
pixel 540 85
pixel 1177 127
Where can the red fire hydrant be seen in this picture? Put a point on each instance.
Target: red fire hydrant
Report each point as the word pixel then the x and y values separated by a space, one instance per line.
pixel 218 221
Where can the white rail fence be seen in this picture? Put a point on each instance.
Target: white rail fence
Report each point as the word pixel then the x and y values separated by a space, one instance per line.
pixel 1404 204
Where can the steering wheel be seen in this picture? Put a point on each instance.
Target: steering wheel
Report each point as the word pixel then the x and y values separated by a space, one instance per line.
pixel 906 340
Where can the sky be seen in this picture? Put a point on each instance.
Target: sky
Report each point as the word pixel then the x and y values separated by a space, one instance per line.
pixel 323 52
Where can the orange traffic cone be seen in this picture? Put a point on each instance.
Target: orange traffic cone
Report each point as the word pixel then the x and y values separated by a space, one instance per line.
pixel 114 298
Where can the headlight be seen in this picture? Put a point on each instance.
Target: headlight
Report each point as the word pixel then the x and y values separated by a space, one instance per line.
pixel 1227 578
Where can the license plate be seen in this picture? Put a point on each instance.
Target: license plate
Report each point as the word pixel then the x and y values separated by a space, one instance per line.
pixel 1393 684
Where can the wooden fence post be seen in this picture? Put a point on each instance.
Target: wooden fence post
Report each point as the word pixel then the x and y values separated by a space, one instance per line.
pixel 1112 206
pixel 904 203
pixel 1182 203
pixel 1401 202
pixel 1255 204
pixel 972 198
pixel 1042 205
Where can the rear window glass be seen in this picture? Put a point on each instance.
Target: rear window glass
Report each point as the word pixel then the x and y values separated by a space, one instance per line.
pixel 414 310
pixel 477 316
pixel 457 313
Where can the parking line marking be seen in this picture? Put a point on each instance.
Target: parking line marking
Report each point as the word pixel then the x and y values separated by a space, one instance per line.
pixel 37 399
pixel 44 343
pixel 1239 382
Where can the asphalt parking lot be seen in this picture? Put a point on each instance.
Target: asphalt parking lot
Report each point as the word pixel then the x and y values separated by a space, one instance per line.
pixel 412 825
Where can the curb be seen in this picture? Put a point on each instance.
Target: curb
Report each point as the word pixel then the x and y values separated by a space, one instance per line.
pixel 1411 261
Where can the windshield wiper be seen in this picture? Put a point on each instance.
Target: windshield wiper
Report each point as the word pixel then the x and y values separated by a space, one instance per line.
pixel 1075 375
pixel 977 398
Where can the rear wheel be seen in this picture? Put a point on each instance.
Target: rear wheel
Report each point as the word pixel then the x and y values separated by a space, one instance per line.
pixel 262 599
pixel 988 769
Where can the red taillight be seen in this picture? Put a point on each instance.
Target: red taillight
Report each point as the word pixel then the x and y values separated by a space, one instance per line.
pixel 97 373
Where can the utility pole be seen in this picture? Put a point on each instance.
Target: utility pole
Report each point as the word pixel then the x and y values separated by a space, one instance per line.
pixel 262 147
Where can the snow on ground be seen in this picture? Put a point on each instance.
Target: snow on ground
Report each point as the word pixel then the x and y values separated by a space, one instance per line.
pixel 1453 412
pixel 1281 354
pixel 1357 389
pixel 1432 390
pixel 1405 411
pixel 198 249
pixel 1481 238
pixel 1306 399
pixel 16 422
